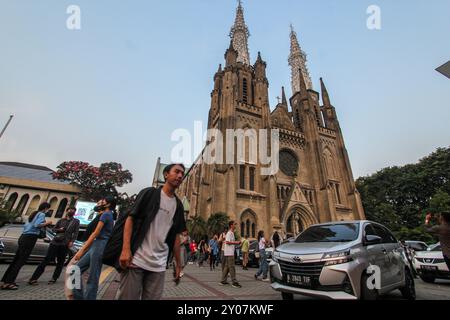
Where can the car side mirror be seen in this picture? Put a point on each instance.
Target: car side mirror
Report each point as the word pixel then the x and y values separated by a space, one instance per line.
pixel 371 239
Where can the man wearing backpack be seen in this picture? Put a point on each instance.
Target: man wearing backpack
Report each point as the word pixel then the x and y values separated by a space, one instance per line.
pixel 151 231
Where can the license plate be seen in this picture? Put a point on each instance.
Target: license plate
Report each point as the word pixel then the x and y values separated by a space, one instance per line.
pixel 298 280
pixel 433 268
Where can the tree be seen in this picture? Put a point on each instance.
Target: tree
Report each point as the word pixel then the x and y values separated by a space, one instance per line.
pixel 196 228
pixel 439 202
pixel 399 197
pixel 94 182
pixel 7 215
pixel 216 223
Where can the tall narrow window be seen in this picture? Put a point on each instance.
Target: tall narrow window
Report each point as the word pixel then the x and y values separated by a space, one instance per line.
pixel 247 228
pixel 317 117
pixel 244 90
pixel 242 229
pixel 252 178
pixel 338 194
pixel 242 177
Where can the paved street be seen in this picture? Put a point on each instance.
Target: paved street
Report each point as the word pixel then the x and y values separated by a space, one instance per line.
pixel 197 284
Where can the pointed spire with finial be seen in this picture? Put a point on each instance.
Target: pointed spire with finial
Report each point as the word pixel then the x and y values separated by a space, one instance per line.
pixel 302 83
pixel 231 55
pixel 297 60
pixel 220 68
pixel 239 35
pixel 283 97
pixel 325 96
pixel 259 59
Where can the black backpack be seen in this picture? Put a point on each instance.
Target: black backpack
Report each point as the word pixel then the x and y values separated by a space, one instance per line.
pixel 113 248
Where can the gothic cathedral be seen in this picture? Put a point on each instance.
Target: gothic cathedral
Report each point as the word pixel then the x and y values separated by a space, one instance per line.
pixel 314 183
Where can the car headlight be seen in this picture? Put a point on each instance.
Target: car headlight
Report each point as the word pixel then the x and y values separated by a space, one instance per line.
pixel 275 256
pixel 337 257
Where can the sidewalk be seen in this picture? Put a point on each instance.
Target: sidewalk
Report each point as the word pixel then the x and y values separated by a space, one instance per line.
pixel 203 284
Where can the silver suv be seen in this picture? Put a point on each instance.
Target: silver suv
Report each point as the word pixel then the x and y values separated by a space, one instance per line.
pixel 342 260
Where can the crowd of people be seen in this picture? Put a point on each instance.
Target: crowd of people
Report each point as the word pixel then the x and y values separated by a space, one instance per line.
pixel 143 243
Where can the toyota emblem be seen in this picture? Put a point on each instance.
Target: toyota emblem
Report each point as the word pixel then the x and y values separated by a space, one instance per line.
pixel 296 259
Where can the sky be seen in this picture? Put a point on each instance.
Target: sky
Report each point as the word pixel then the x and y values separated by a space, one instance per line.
pixel 116 89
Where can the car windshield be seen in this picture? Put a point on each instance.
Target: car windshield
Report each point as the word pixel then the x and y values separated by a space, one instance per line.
pixel 330 233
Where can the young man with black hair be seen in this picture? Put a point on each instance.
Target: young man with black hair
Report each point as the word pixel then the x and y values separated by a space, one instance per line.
pixel 228 262
pixel 66 232
pixel 151 231
pixel 443 231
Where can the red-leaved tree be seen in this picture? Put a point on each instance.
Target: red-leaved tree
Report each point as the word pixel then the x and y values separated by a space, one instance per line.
pixel 94 182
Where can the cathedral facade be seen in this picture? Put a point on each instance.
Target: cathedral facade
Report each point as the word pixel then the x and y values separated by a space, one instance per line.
pixel 314 183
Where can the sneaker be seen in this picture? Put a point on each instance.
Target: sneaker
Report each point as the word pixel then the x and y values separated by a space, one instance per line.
pixel 236 285
pixel 223 283
pixel 256 277
pixel 265 279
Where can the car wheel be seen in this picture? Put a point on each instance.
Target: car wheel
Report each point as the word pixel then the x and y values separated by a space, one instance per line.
pixel 427 278
pixel 287 296
pixel 409 290
pixel 366 293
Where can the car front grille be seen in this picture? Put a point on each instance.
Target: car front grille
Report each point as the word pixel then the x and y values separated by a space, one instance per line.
pixel 310 269
pixel 430 260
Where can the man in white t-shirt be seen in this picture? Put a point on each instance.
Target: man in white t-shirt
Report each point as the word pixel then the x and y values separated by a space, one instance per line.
pixel 228 262
pixel 152 229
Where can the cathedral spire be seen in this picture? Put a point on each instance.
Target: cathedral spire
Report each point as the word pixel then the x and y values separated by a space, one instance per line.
pixel 297 60
pixel 239 35
pixel 302 84
pixel 283 97
pixel 325 96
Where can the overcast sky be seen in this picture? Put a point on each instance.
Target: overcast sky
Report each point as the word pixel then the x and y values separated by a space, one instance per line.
pixel 137 70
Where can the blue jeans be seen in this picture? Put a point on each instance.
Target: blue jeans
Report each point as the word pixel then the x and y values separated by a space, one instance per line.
pixel 263 266
pixel 92 260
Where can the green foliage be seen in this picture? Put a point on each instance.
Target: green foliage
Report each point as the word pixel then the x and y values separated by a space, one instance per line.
pixel 197 228
pixel 216 223
pixel 399 197
pixel 7 215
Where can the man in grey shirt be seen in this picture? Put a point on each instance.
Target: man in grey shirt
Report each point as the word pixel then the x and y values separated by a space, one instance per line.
pixel 443 231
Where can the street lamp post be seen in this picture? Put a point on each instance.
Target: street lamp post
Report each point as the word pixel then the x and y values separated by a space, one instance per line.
pixel 6 125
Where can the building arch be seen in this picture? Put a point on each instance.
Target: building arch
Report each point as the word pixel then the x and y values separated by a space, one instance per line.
pixel 53 203
pixel 22 204
pixel 34 204
pixel 299 218
pixel 12 201
pixel 249 221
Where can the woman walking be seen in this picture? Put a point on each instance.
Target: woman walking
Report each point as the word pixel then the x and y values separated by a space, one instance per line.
pixel 35 225
pixel 90 255
pixel 263 266
pixel 213 252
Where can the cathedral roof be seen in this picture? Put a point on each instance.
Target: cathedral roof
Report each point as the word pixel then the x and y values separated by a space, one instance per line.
pixel 280 118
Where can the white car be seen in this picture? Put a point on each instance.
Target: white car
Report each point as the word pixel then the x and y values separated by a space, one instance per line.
pixel 430 264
